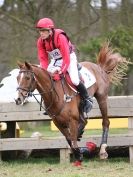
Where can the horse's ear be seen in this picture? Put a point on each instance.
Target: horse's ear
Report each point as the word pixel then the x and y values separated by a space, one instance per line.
pixel 20 65
pixel 27 65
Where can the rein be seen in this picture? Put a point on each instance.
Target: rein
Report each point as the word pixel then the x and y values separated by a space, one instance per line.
pixel 30 93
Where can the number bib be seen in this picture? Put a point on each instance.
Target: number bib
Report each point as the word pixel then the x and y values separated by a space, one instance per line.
pixel 55 54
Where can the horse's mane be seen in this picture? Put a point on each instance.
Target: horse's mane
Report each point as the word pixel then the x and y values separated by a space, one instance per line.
pixel 35 65
pixel 112 63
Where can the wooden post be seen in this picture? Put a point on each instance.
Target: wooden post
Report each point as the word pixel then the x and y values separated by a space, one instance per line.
pixel 9 133
pixel 64 156
pixel 130 127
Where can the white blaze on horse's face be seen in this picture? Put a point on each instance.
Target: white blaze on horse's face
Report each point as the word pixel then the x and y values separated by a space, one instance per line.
pixel 22 97
pixel 25 100
pixel 21 78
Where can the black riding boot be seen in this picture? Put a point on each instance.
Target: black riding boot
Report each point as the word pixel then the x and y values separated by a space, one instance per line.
pixel 88 102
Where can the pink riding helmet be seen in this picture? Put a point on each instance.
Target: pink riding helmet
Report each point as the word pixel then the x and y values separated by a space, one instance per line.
pixel 45 23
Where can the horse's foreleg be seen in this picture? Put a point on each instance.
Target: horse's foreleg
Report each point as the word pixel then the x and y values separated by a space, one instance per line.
pixel 65 131
pixel 81 126
pixel 75 149
pixel 105 124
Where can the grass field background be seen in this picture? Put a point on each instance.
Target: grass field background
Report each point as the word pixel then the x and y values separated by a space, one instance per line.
pixel 50 167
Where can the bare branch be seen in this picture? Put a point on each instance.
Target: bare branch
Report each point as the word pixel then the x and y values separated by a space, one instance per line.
pixel 91 23
pixel 18 20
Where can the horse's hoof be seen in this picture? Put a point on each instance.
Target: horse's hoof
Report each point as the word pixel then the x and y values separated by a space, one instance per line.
pixel 103 156
pixel 77 163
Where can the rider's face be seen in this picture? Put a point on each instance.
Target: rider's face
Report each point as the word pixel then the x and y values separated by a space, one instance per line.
pixel 44 33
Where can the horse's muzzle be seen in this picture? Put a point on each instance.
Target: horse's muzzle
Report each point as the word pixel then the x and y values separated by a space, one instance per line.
pixel 18 101
pixel 21 101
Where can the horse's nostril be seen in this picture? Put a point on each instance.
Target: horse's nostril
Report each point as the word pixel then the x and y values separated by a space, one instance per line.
pixel 18 101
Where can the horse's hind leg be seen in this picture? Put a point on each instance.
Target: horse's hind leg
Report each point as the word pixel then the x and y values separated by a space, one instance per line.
pixel 102 101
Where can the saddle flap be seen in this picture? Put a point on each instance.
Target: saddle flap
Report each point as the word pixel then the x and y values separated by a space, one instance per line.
pixel 85 76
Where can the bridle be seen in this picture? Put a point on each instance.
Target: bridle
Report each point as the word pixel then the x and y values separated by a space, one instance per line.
pixel 30 90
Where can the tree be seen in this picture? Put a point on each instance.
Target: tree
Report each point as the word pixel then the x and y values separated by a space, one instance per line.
pixel 124 12
pixel 104 17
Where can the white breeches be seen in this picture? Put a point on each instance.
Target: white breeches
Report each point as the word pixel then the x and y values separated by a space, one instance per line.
pixel 72 69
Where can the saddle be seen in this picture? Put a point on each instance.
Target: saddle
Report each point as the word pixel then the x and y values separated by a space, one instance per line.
pixel 85 77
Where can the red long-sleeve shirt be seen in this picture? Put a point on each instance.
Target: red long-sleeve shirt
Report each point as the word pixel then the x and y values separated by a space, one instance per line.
pixel 45 46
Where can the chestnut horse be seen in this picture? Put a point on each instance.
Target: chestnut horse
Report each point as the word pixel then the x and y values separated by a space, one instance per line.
pixel 68 115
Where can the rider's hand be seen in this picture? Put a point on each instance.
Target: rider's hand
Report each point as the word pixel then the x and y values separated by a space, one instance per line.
pixel 60 72
pixel 56 76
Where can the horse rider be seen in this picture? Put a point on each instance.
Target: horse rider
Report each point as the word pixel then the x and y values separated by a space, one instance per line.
pixel 54 45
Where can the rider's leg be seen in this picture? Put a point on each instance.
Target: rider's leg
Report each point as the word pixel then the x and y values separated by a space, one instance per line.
pixel 73 72
pixel 88 102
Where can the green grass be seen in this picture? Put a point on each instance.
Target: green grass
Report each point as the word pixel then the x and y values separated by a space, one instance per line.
pixel 50 167
pixel 46 131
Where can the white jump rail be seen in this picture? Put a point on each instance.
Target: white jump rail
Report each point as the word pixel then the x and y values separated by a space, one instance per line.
pixel 118 106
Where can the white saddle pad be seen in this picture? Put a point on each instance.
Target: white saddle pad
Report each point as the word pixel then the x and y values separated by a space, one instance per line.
pixel 88 78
